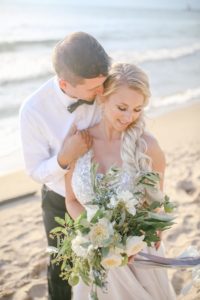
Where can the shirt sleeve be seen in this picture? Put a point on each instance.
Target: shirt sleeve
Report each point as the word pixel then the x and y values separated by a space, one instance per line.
pixel 39 163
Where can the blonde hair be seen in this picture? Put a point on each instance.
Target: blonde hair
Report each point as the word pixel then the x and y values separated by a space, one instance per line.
pixel 133 147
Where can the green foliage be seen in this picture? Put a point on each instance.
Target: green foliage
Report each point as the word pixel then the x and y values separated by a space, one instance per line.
pixel 168 206
pixel 73 279
pixel 60 221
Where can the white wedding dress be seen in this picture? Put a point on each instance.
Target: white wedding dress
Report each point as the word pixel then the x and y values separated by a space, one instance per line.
pixel 127 282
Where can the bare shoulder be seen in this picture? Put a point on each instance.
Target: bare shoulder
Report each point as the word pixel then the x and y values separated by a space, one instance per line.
pixel 152 143
pixel 149 139
pixel 155 152
pixel 94 131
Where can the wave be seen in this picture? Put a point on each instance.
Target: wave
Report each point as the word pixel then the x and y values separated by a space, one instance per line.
pixel 26 79
pixel 11 46
pixel 156 55
pixel 14 68
pixel 176 99
pixel 135 56
pixel 9 111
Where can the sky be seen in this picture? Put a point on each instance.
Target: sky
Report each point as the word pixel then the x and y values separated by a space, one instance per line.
pixel 151 4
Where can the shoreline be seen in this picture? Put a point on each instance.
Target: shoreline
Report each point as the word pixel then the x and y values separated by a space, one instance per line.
pixel 13 162
pixel 15 186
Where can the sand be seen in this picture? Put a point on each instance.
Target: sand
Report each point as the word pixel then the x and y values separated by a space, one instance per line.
pixel 178 133
pixel 23 258
pixel 16 185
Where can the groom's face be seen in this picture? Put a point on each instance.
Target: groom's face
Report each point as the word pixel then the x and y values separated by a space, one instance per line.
pixel 88 89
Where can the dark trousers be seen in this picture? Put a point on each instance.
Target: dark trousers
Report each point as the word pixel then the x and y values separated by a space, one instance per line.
pixel 53 205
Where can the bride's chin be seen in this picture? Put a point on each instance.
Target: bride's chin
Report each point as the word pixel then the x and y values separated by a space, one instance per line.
pixel 121 127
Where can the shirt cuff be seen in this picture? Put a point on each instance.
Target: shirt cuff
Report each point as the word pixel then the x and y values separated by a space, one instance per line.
pixel 55 169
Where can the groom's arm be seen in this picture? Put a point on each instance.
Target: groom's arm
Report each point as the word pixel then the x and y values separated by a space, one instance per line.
pixel 40 164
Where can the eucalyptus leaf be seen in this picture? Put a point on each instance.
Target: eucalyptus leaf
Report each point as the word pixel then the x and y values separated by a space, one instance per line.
pixel 82 216
pixel 84 223
pixel 68 219
pixel 56 230
pixel 60 221
pixel 105 251
pixel 122 218
pixel 161 217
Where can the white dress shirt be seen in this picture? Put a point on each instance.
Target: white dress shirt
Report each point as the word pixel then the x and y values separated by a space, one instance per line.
pixel 44 122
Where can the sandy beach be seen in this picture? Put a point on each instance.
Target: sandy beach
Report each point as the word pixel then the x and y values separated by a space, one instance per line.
pixel 23 258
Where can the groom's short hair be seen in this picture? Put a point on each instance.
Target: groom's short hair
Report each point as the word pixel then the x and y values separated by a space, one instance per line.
pixel 80 56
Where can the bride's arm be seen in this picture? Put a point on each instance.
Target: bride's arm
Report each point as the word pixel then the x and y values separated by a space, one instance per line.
pixel 73 206
pixel 157 156
pixel 158 164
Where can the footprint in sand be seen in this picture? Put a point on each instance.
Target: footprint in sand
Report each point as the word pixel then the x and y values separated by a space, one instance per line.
pixel 198 225
pixel 31 291
pixel 37 291
pixel 187 186
pixel 197 199
pixel 39 268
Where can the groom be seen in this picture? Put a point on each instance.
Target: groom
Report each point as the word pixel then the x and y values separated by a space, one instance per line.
pixel 81 66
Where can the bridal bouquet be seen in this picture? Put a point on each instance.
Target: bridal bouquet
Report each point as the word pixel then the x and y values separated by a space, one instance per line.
pixel 116 225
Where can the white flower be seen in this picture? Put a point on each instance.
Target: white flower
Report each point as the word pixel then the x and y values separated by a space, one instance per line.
pixel 100 232
pixel 111 260
pixel 90 249
pixel 119 250
pixel 77 247
pixel 134 244
pixel 91 211
pixel 127 198
pixel 51 249
pixel 113 202
pixel 125 195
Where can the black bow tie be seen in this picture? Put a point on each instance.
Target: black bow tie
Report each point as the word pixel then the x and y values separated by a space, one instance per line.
pixel 72 107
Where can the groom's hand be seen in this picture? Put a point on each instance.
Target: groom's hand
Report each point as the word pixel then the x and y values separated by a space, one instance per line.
pixel 75 144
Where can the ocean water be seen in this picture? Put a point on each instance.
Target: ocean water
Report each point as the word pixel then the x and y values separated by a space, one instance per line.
pixel 160 36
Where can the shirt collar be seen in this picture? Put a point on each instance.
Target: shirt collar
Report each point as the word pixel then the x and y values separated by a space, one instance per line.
pixel 64 98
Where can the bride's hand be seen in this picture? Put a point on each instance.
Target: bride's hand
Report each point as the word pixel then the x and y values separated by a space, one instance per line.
pixel 86 137
pixel 75 144
pixel 157 244
pixel 131 259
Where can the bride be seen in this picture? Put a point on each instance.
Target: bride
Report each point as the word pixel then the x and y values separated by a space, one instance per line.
pixel 120 139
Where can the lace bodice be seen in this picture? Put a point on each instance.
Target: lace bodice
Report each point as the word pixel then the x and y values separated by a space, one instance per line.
pixel 82 182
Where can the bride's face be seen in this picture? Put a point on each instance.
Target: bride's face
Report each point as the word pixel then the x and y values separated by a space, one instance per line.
pixel 123 107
